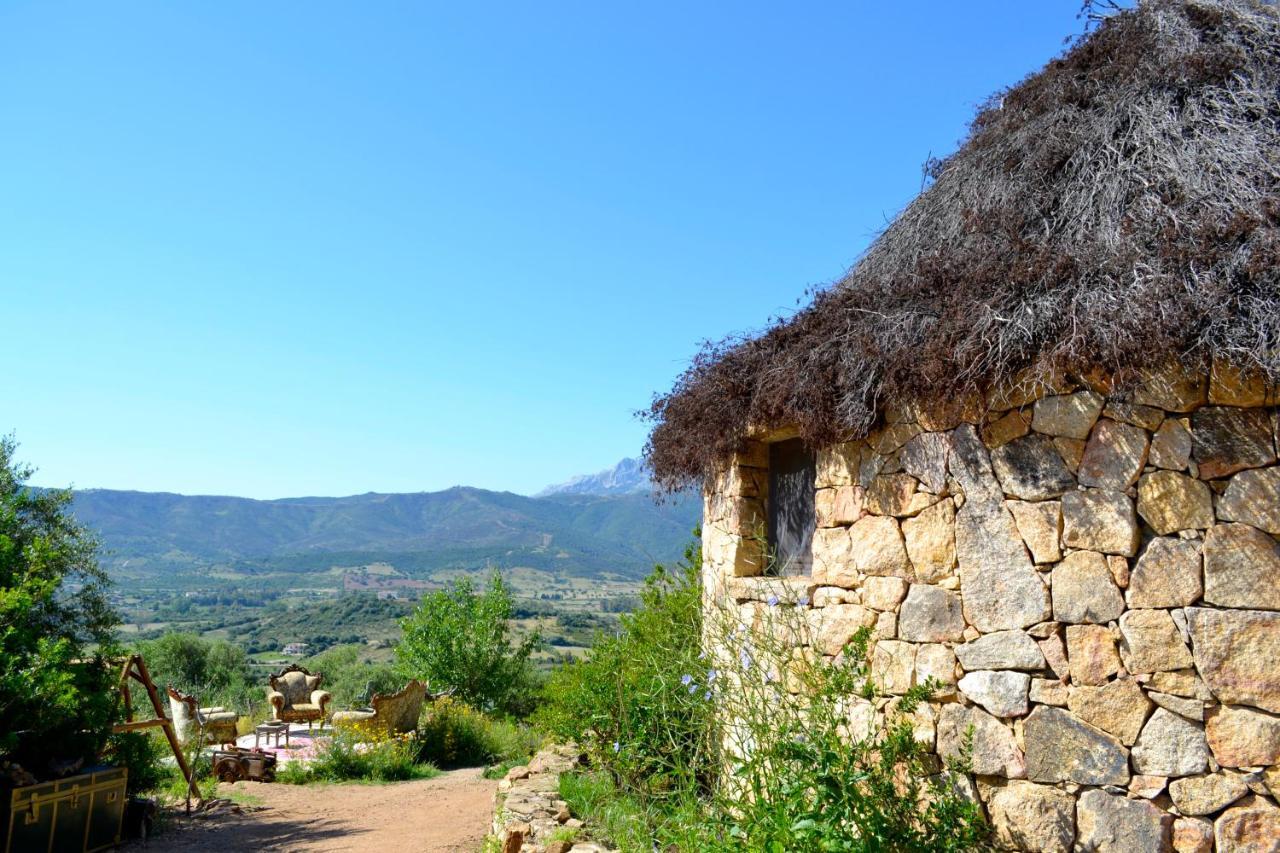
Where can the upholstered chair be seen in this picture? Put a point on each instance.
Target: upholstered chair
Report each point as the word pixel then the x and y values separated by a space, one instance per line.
pixel 394 713
pixel 296 696
pixel 217 723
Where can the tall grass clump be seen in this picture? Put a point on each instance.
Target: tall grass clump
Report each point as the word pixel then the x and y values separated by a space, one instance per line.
pixel 772 746
pixel 637 704
pixel 453 734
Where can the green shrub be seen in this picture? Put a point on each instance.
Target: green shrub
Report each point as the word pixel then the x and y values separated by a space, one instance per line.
pixel 361 755
pixel 458 639
pixel 144 754
pixel 636 703
pixel 453 734
pixel 761 745
pixel 56 689
pixel 216 672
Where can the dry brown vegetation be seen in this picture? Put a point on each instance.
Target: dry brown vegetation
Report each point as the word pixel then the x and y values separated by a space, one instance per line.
pixel 1116 209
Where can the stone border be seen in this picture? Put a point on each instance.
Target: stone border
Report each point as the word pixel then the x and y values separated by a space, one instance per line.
pixel 527 809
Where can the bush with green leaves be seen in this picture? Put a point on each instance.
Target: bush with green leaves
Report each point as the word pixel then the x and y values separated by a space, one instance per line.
pixel 216 672
pixel 361 755
pixel 453 734
pixel 56 687
pixel 460 640
pixel 636 703
pixel 759 744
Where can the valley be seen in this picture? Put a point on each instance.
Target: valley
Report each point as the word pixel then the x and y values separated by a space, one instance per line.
pixel 334 571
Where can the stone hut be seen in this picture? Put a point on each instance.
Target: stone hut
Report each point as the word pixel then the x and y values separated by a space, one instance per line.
pixel 1031 441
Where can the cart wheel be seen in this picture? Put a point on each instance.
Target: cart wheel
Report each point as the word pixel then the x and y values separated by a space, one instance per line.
pixel 228 770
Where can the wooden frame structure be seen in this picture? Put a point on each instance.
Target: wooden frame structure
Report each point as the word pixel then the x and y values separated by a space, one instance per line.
pixel 135 669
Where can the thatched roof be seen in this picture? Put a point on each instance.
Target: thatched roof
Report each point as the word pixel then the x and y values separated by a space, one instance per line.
pixel 1118 208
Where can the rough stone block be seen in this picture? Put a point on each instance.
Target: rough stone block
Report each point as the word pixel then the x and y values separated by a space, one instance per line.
pixel 1170 745
pixel 1174 389
pixel 1060 747
pixel 1145 417
pixel 1171 446
pixel 1118 708
pixel 896 495
pixel 1000 586
pixel 1001 650
pixel 1027 816
pixel 1084 591
pixel 1006 428
pixel 1040 524
pixel 836 624
pixel 936 661
pixel 1169 502
pixel 1241 567
pixel 838 465
pixel 1151 642
pixel 1225 440
pixel 1253 497
pixel 1100 520
pixel 1067 415
pixel 1201 795
pixel 1236 653
pixel 1114 456
pixel 1251 828
pixel 1167 574
pixel 1242 737
pixel 930 614
pixel 1001 694
pixel 1047 691
pixel 839 505
pixel 1231 386
pixel 1192 835
pixel 876 548
pixel 925 458
pixel 1091 653
pixel 883 593
pixel 893 666
pixel 931 541
pixel 1110 823
pixel 1031 469
pixel 995 750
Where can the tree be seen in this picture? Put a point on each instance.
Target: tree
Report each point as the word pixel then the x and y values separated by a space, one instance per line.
pixel 459 639
pixel 56 695
pixel 215 671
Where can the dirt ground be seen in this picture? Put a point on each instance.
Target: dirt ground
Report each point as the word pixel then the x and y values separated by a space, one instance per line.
pixel 451 812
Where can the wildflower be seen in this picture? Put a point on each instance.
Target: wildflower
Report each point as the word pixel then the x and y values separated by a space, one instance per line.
pixel 712 675
pixel 804 601
pixel 693 688
pixel 773 601
pixel 617 747
pixel 744 659
pixel 706 695
pixel 686 680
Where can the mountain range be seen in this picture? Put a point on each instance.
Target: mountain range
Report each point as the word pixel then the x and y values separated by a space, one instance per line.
pixel 603 523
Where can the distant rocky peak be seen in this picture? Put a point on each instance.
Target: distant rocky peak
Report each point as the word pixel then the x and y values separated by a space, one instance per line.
pixel 630 476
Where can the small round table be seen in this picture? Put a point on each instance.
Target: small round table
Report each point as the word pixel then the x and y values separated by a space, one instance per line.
pixel 277 728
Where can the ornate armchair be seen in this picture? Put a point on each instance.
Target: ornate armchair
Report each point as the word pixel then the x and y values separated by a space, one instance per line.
pixel 218 724
pixel 395 712
pixel 296 696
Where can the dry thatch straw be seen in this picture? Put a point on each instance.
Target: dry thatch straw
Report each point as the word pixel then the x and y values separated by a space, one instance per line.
pixel 1117 209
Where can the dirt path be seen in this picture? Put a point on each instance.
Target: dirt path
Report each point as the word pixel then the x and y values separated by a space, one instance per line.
pixel 451 812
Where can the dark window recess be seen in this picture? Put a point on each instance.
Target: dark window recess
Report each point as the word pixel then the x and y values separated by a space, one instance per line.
pixel 791 513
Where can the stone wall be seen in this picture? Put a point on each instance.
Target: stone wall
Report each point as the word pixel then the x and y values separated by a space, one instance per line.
pixel 1094 579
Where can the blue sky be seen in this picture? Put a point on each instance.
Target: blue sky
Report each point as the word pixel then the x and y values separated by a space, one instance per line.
pixel 327 248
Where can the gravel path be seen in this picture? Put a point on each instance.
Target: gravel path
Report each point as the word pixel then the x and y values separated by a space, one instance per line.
pixel 451 812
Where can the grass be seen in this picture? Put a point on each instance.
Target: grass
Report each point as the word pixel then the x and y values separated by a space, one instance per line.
pixel 621 820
